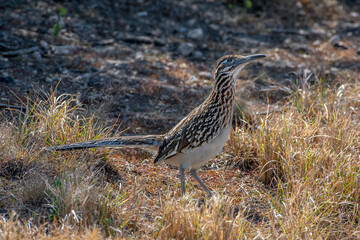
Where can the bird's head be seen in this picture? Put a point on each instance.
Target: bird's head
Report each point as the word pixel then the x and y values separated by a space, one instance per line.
pixel 231 65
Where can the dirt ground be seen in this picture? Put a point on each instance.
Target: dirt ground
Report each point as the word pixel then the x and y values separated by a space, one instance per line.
pixel 146 64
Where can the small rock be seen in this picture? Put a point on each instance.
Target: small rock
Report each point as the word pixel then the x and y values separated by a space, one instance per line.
pixel 214 27
pixel 49 79
pixel 142 14
pixel 334 40
pixel 139 56
pixel 316 43
pixel 334 70
pixel 156 32
pixel 193 79
pixel 44 45
pixel 119 35
pixel 196 34
pixel 5 74
pixel 205 75
pixel 64 50
pixel 182 29
pixel 186 49
pixel 183 65
pixel 354 14
pixel 7 80
pixel 192 21
pixel 198 54
pixel 288 40
pixel 36 55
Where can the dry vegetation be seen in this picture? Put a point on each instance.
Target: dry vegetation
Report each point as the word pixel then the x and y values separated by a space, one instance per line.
pixel 307 156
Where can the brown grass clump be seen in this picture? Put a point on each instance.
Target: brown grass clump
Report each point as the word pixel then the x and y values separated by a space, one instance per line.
pixel 188 219
pixel 63 190
pixel 15 229
pixel 309 155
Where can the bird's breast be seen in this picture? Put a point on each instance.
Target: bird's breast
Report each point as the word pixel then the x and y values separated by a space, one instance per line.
pixel 196 157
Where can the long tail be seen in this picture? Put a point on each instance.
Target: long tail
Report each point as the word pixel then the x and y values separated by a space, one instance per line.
pixel 147 141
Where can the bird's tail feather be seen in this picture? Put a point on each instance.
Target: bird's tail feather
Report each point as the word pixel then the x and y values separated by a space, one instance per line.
pixel 147 141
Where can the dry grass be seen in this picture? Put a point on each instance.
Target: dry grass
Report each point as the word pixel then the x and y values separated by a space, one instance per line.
pixel 303 183
pixel 308 154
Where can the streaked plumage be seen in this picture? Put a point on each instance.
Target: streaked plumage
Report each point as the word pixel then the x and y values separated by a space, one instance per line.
pixel 196 138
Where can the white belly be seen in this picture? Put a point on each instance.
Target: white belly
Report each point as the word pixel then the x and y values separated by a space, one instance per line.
pixel 194 159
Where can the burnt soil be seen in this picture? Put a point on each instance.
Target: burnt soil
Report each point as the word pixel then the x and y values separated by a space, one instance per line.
pixel 126 62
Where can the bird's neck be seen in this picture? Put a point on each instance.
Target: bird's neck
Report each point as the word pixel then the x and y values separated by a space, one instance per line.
pixel 224 90
pixel 221 99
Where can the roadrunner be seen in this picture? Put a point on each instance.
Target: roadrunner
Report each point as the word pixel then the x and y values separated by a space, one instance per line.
pixel 198 137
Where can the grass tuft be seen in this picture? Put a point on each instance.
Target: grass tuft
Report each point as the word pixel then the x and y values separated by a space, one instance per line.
pixel 217 218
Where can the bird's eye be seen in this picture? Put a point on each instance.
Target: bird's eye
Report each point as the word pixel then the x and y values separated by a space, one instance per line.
pixel 229 60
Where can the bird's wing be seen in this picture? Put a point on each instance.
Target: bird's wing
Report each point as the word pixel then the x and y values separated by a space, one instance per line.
pixel 197 128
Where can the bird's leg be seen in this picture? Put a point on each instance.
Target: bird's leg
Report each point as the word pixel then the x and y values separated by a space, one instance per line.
pixel 182 179
pixel 194 174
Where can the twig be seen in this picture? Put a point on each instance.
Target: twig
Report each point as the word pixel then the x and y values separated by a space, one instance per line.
pixel 143 40
pixel 87 76
pixel 291 31
pixel 100 71
pixel 2 105
pixel 20 52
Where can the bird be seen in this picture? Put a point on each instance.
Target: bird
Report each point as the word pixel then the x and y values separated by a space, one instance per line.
pixel 199 136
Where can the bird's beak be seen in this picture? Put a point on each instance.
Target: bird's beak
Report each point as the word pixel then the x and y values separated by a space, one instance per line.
pixel 250 58
pixel 242 61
